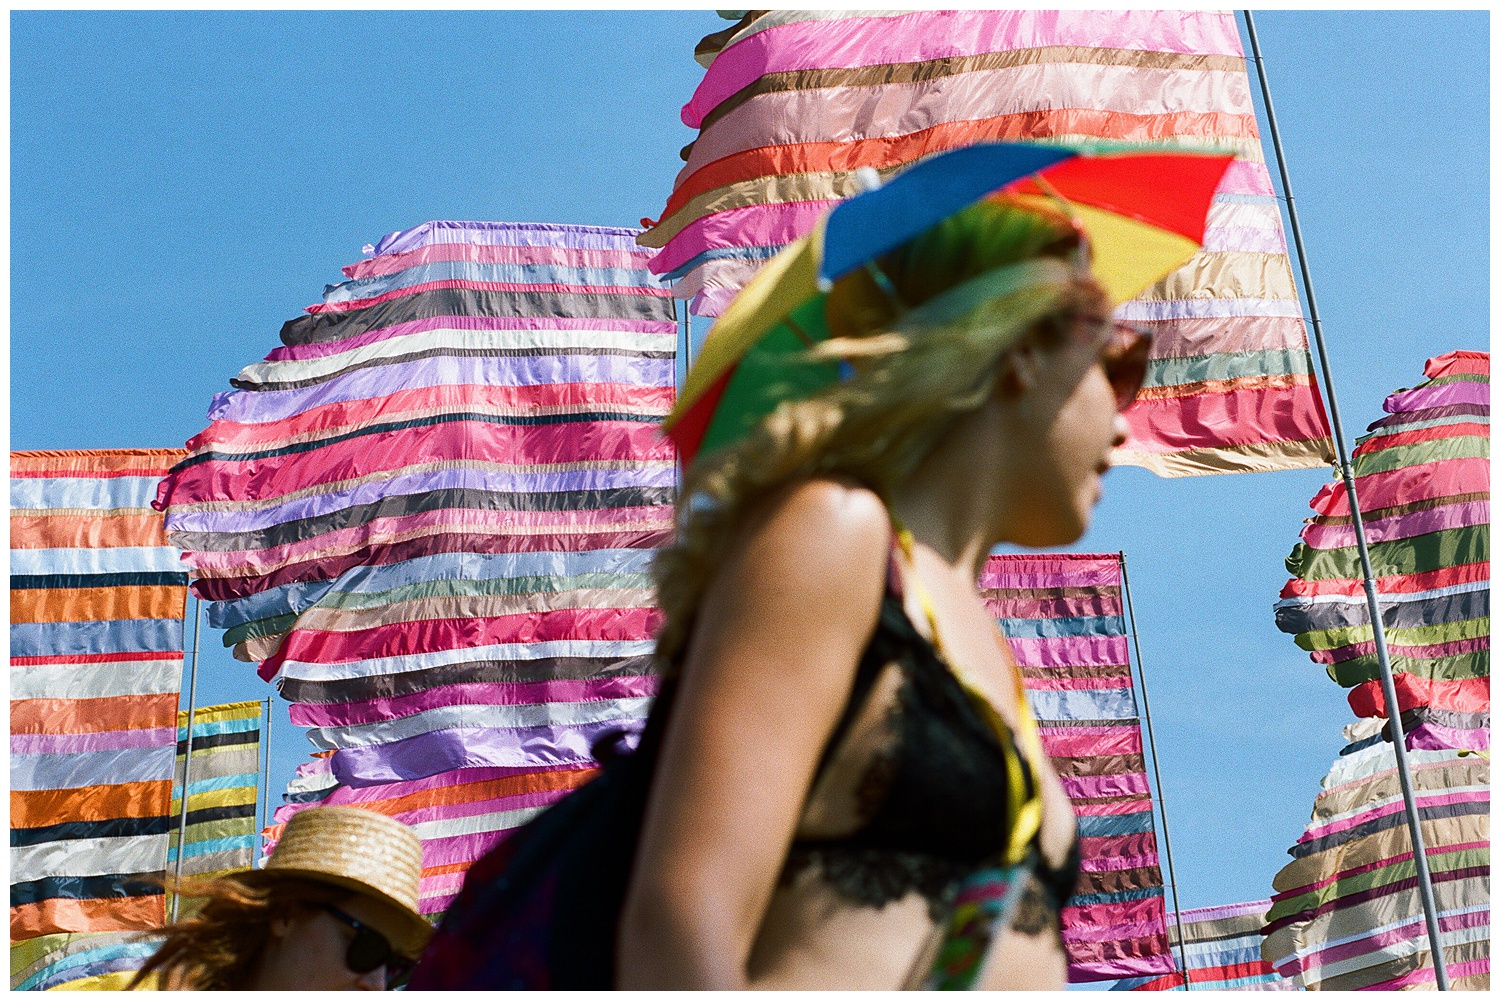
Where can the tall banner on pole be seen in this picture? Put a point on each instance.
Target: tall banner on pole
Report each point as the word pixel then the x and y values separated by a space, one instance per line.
pixel 1064 616
pixel 222 789
pixel 793 103
pixel 96 642
pixel 1342 915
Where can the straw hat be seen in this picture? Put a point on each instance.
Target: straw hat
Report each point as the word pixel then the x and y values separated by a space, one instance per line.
pixel 360 850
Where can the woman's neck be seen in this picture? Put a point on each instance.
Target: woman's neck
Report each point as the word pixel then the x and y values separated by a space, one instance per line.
pixel 950 531
pixel 958 501
pixel 268 973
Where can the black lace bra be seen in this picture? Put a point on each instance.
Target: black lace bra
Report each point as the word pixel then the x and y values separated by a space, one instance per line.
pixel 934 802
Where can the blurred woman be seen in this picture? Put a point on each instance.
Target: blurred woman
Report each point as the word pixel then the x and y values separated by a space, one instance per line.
pixel 333 909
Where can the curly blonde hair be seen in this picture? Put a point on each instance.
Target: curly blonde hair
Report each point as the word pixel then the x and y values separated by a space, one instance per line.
pixel 904 387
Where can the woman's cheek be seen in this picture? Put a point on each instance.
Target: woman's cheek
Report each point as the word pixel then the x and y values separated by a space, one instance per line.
pixel 325 950
pixel 1090 419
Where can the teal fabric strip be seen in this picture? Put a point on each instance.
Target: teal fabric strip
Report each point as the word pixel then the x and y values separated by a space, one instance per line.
pixel 1231 365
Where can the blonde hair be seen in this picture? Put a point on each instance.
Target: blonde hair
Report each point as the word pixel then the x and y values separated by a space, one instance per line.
pixel 905 384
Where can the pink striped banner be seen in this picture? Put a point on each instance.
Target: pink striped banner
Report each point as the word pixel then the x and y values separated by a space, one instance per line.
pixel 1120 931
pixel 944 34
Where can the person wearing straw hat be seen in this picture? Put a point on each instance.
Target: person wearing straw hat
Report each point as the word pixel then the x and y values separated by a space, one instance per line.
pixel 840 785
pixel 334 908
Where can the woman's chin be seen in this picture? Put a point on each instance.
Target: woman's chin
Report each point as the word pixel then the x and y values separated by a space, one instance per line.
pixel 1063 532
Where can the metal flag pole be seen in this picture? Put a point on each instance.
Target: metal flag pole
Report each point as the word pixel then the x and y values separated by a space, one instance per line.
pixel 187 755
pixel 685 332
pixel 1161 795
pixel 1387 681
pixel 265 771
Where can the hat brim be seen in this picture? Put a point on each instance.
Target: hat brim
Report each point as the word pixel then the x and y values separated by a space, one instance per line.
pixel 412 931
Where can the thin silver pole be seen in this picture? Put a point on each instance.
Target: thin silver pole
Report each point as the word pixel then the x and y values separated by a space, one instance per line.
pixel 687 326
pixel 187 756
pixel 265 773
pixel 1161 795
pixel 1377 622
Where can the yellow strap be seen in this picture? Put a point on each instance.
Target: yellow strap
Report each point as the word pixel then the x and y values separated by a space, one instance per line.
pixel 1027 811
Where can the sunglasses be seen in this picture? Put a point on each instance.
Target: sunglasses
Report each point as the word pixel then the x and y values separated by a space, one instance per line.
pixel 1123 357
pixel 370 949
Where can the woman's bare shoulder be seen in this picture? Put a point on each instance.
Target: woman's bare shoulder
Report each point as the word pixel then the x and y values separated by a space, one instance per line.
pixel 793 603
pixel 824 522
pixel 811 559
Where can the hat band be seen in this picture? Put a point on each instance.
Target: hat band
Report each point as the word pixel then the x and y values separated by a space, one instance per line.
pixel 965 297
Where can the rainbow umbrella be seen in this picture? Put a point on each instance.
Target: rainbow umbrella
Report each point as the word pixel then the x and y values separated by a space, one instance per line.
pixel 1144 214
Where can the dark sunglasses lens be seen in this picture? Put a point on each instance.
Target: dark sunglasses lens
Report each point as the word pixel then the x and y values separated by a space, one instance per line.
pixel 397 973
pixel 368 950
pixel 1124 363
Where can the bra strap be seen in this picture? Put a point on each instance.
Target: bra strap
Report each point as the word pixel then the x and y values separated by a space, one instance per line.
pixel 1025 809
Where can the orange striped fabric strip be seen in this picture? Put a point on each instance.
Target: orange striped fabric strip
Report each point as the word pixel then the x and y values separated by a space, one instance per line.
pixel 94 530
pixel 115 462
pixel 42 808
pixel 118 712
pixel 62 914
pixel 97 604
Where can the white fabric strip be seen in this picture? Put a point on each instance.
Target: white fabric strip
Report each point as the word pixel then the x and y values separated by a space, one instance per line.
pixel 311 783
pixel 443 338
pixel 1191 309
pixel 1379 758
pixel 1385 599
pixel 95 681
pixel 102 493
pixel 479 717
pixel 118 559
pixel 610 649
pixel 481 823
pixel 82 769
pixel 89 857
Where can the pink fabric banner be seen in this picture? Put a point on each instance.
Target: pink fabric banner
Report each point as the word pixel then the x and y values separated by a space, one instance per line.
pixel 943 34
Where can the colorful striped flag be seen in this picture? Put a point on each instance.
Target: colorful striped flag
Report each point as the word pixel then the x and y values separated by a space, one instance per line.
pixel 430 515
pixel 1223 952
pixel 1422 476
pixel 79 961
pixel 223 789
pixel 96 638
pixel 794 102
pixel 459 815
pixel 1347 914
pixel 1064 616
pixel 312 782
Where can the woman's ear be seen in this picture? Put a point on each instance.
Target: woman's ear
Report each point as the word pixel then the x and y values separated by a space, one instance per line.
pixel 1019 373
pixel 280 925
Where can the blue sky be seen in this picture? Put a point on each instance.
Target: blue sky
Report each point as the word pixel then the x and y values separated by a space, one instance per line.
pixel 182 183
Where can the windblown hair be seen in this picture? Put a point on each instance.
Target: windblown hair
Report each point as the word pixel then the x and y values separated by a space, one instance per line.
pixel 219 946
pixel 904 392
